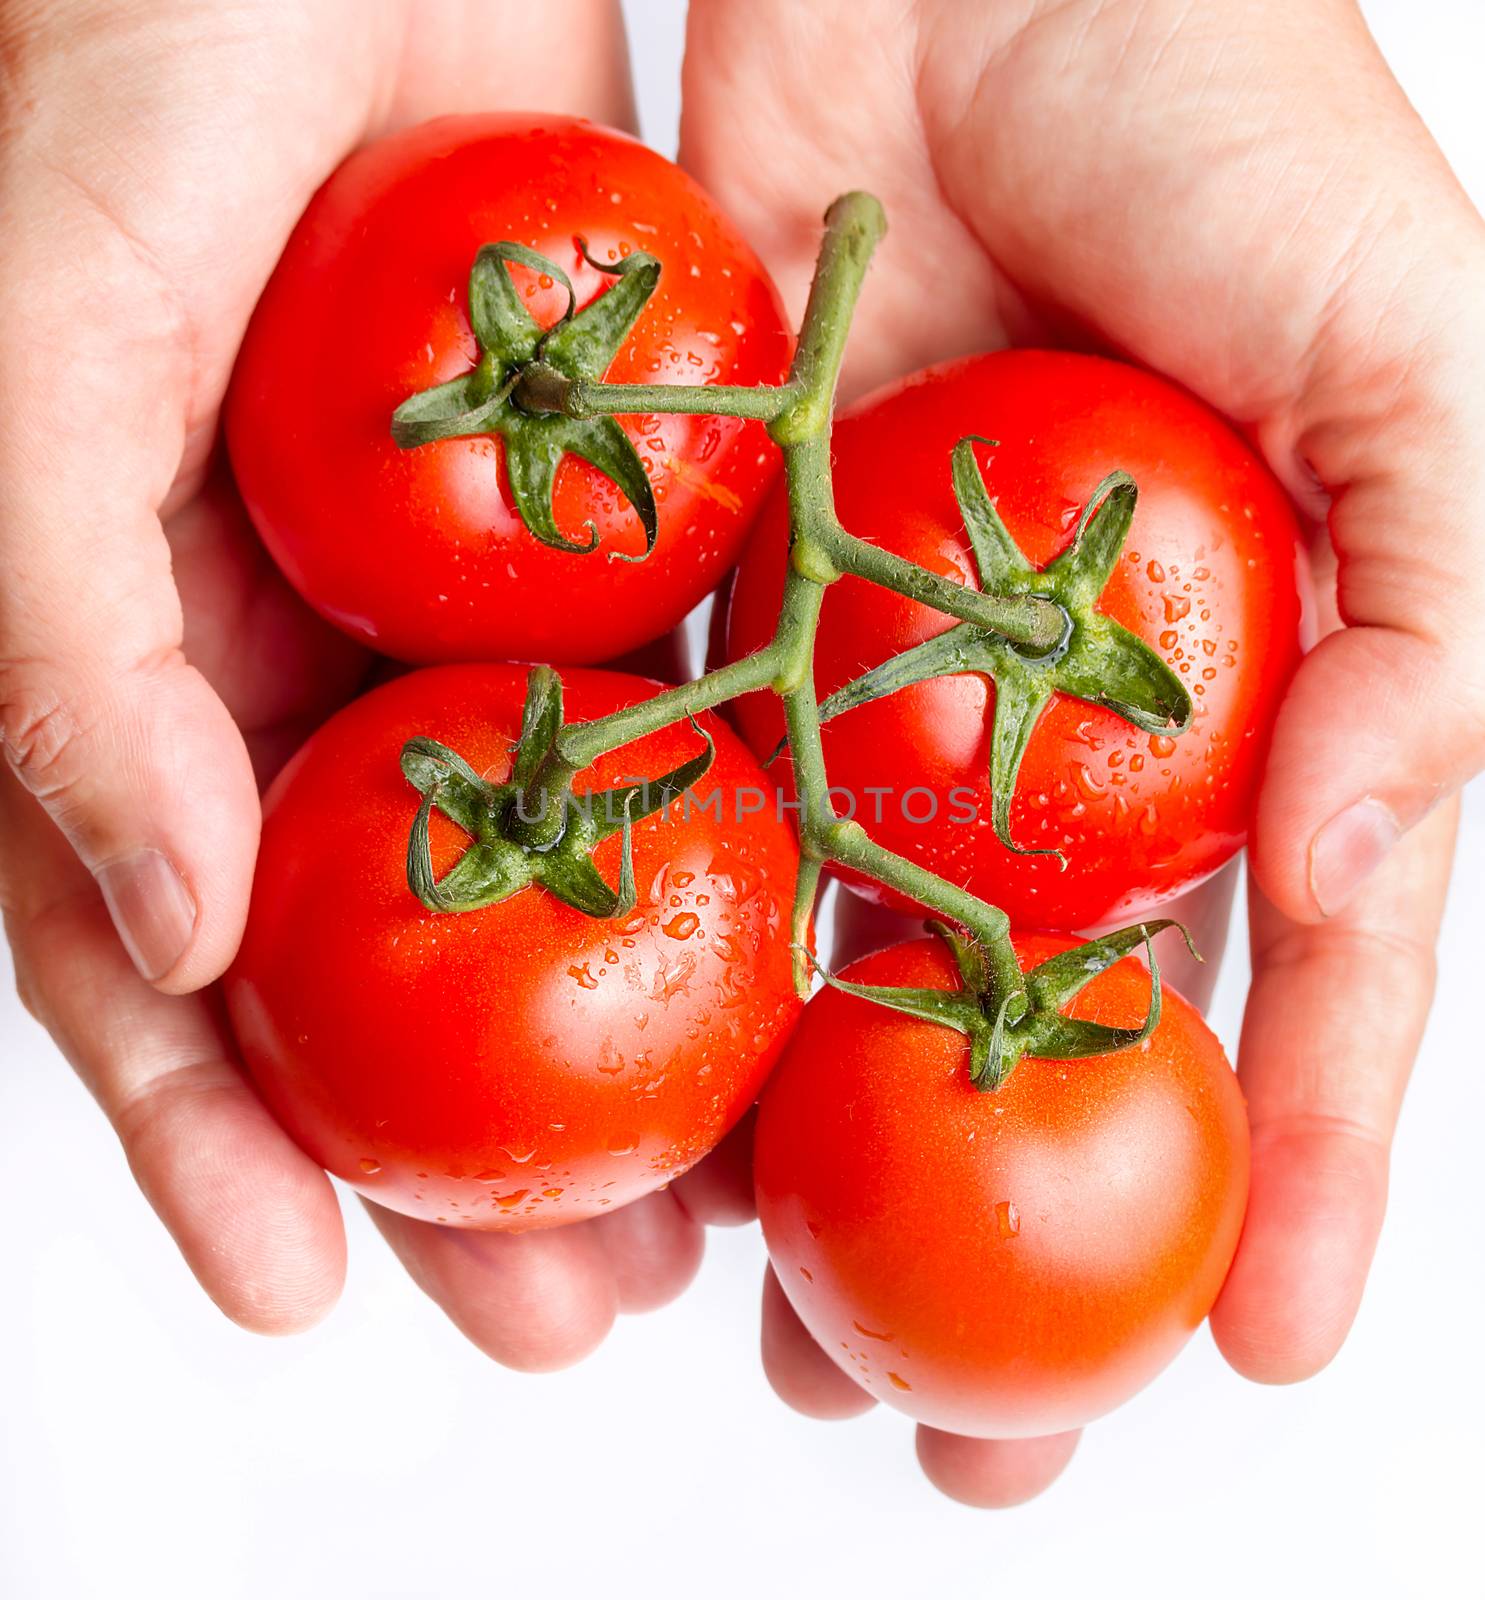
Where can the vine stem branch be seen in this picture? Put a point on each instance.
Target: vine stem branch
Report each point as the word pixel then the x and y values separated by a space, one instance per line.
pixel 543 389
pixel 821 550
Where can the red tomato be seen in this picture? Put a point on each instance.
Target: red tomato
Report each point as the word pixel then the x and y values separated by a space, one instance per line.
pixel 1005 1263
pixel 420 552
pixel 1208 577
pixel 521 1065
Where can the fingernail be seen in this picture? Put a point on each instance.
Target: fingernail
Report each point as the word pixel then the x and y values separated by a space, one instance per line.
pixel 151 908
pixel 1348 849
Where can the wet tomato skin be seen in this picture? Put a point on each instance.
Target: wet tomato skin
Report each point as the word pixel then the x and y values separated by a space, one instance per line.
pixel 420 553
pixel 1208 577
pixel 523 1065
pixel 1009 1263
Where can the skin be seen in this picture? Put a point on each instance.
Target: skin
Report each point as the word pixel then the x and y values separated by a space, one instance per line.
pixel 1207 579
pixel 1007 1263
pixel 585 1062
pixel 1323 259
pixel 422 553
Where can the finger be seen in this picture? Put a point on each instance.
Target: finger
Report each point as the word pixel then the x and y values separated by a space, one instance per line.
pixel 718 1193
pixel 654 1248
pixel 1334 1019
pixel 533 1301
pixel 802 1375
pixel 776 173
pixel 101 717
pixel 255 1218
pixel 993 1473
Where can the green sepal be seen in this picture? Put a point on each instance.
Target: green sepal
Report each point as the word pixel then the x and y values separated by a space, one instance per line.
pixel 947 1007
pixel 988 1061
pixel 579 345
pixel 649 795
pixel 574 878
pixel 1107 665
pixel 433 769
pixel 968 954
pixel 584 346
pixel 541 722
pixel 512 847
pixel 1088 562
pixel 1005 1026
pixel 1061 978
pixel 958 650
pixel 1021 695
pixel 535 449
pixel 998 558
pixel 497 313
pixel 1055 1037
pixel 1097 660
pixel 454 410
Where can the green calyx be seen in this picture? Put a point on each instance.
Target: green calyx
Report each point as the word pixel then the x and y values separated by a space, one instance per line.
pixel 531 828
pixel 515 351
pixel 1004 1023
pixel 1096 660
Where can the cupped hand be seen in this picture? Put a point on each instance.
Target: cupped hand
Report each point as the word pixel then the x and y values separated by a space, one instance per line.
pixel 1241 198
pixel 153 667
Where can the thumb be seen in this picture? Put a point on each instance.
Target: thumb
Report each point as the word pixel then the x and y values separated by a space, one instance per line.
pixel 101 718
pixel 1386 716
pixel 139 764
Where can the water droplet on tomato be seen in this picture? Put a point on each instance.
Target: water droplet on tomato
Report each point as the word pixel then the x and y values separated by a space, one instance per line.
pixel 1007 1219
pixel 370 1167
pixel 1176 606
pixel 898 1382
pixel 683 926
pixel 1086 780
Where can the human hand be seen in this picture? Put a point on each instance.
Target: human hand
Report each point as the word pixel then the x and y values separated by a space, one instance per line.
pixel 1244 201
pixel 153 666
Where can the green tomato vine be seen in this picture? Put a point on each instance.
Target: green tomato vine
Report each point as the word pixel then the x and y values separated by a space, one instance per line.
pixel 1034 632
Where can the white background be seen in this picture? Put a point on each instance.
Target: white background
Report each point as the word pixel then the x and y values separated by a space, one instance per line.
pixel 149 1449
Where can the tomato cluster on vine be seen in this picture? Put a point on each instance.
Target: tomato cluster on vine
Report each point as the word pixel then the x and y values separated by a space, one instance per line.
pixel 519 393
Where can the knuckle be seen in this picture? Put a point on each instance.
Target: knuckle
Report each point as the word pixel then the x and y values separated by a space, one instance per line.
pixel 42 731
